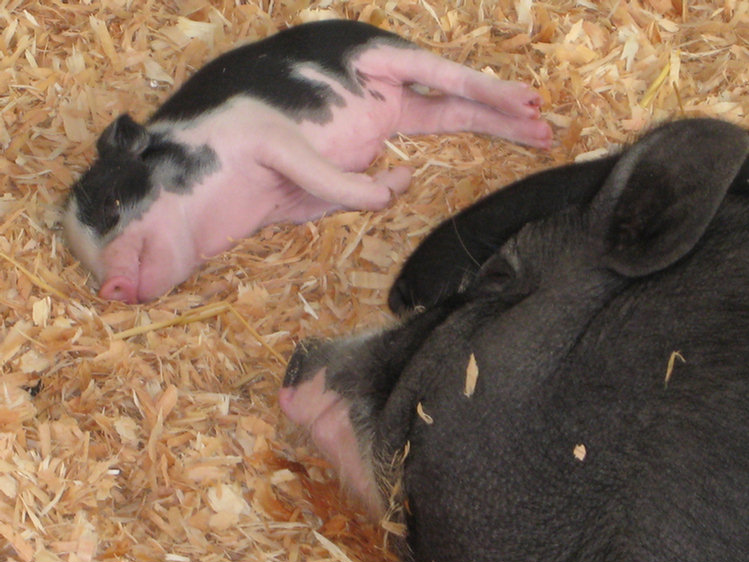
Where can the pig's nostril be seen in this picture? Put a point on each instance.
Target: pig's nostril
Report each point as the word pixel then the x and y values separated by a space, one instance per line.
pixel 119 294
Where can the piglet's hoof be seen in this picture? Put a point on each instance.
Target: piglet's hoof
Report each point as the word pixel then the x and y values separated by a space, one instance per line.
pixel 396 179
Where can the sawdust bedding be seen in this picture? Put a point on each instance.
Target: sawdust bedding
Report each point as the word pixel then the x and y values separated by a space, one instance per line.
pixel 153 432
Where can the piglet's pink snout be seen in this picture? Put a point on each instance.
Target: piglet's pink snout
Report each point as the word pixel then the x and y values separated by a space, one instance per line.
pixel 119 288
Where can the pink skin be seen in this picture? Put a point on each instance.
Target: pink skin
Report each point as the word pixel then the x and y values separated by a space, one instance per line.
pixel 326 416
pixel 273 169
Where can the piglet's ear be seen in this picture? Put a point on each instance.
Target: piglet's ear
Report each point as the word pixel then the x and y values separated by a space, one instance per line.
pixel 123 135
pixel 664 191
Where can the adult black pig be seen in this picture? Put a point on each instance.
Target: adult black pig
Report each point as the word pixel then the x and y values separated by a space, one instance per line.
pixel 584 395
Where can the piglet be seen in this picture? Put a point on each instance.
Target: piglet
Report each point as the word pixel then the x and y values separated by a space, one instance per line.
pixel 275 131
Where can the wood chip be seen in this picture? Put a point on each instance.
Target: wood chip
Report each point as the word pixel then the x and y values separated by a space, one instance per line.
pixel 472 376
pixel 332 548
pixel 579 452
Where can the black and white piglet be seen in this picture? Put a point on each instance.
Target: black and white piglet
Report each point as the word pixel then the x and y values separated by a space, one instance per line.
pixel 583 394
pixel 278 130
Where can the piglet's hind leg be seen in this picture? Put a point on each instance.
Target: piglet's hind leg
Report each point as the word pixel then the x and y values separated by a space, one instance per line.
pixel 447 114
pixel 309 207
pixel 418 66
pixel 473 101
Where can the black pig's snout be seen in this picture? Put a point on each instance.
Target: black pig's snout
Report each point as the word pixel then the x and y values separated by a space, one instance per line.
pixel 304 362
pixel 294 368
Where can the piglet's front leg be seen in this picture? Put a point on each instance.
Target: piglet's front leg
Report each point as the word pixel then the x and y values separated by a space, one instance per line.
pixel 288 153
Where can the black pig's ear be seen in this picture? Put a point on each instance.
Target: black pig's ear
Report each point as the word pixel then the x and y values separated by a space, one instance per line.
pixel 664 191
pixel 123 135
pixel 450 257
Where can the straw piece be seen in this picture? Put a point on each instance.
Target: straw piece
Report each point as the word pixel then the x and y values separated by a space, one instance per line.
pixel 647 99
pixel 671 364
pixel 196 315
pixel 38 281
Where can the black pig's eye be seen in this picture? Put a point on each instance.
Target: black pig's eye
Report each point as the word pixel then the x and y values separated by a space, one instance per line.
pixel 503 276
pixel 497 273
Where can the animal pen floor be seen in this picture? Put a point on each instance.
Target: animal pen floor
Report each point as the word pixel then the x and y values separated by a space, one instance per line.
pixel 153 432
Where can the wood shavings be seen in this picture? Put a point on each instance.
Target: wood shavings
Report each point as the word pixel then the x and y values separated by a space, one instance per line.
pixel 38 281
pixel 472 376
pixel 105 40
pixel 397 151
pixel 524 12
pixel 133 442
pixel 40 311
pixel 334 550
pixel 392 522
pixel 377 251
pixel 393 528
pixel 371 280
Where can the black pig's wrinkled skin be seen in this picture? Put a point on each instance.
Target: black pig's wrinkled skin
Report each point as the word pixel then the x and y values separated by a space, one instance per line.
pixel 609 325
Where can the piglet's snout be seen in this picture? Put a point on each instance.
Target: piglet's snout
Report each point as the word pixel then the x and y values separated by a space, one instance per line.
pixel 119 288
